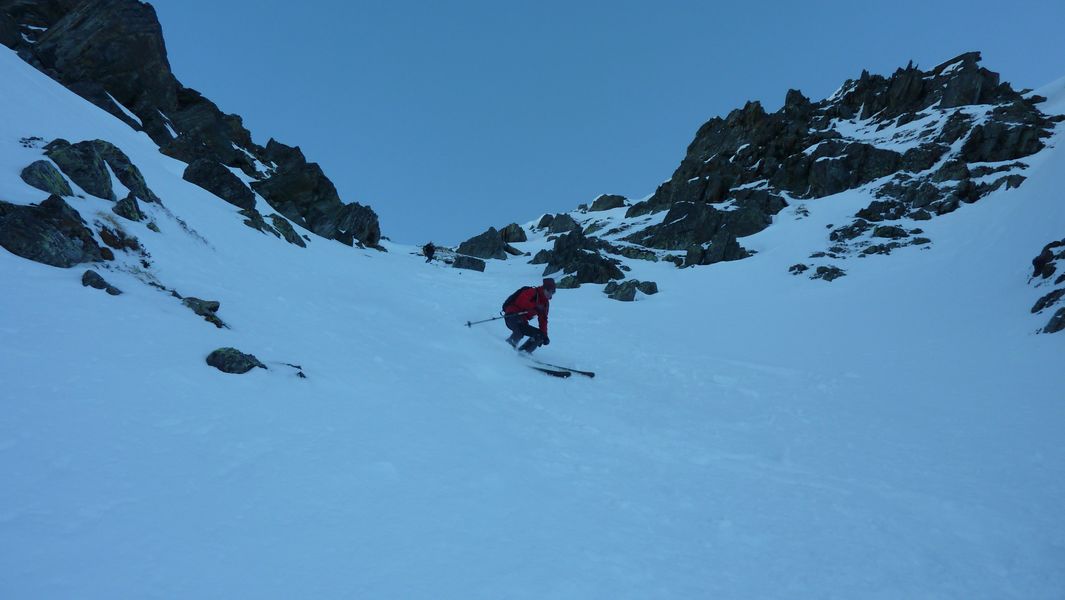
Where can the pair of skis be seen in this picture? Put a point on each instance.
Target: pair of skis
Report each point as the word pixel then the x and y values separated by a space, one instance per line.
pixel 558 370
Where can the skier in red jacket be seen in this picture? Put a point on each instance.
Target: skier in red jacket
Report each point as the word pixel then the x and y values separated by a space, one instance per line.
pixel 521 307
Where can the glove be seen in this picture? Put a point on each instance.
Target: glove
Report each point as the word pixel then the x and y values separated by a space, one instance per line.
pixel 547 340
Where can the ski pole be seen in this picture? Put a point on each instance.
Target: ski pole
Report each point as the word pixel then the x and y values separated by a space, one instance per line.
pixel 472 323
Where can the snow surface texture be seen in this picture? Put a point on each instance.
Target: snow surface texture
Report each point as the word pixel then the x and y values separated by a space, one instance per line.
pixel 750 434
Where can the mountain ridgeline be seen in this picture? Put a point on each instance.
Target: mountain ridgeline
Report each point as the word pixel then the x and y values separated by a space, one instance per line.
pixel 111 52
pixel 919 144
pixel 914 146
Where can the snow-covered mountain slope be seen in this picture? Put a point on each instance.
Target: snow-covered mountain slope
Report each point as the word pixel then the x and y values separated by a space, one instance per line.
pixel 750 434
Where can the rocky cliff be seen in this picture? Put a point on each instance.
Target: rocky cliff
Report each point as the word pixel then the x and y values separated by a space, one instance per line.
pixel 112 53
pixel 916 145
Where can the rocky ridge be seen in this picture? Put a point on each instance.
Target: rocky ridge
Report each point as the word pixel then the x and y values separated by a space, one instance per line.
pixel 920 144
pixel 112 53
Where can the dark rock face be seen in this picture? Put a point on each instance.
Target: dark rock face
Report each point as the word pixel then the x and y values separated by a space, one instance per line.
pixel 723 247
pixel 124 170
pixel 545 221
pixel 607 202
pixel 468 262
pixel 286 230
pixel 623 292
pixel 569 282
pixel 513 234
pixel 626 290
pixel 1045 265
pixel 828 273
pixel 890 232
pixel 52 233
pixel 256 221
pixel 278 226
pixel 44 176
pixel 687 224
pixel 304 195
pixel 231 360
pixel 562 223
pixel 84 166
pixel 8 31
pixel 1048 300
pixel 648 287
pixel 128 208
pixel 114 48
pixel 486 245
pixel 220 181
pixel 206 309
pixel 576 254
pixel 1057 322
pixel 882 211
pixel 94 280
pixel 751 158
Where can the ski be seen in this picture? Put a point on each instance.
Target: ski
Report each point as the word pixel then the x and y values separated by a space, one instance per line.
pixel 571 370
pixel 553 372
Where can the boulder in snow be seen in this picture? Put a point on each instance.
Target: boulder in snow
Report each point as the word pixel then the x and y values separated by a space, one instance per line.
pixel 93 279
pixel 84 166
pixel 231 360
pixel 52 233
pixel 489 244
pixel 468 262
pixel 44 176
pixel 607 202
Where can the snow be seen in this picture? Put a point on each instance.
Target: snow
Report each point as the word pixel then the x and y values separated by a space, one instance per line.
pixel 750 434
pixel 125 110
pixel 1055 94
pixel 166 122
pixel 951 68
pixel 901 138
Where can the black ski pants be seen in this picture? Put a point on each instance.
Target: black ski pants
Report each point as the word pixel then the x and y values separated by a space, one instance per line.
pixel 521 328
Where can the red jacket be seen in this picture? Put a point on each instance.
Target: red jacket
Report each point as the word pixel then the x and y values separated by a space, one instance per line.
pixel 532 302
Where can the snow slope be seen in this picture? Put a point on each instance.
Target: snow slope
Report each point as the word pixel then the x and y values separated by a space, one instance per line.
pixel 893 434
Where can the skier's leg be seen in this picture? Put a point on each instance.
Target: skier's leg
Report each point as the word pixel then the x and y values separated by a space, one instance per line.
pixel 536 338
pixel 514 323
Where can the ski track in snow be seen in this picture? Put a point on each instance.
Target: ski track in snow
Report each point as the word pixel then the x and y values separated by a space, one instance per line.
pixel 750 434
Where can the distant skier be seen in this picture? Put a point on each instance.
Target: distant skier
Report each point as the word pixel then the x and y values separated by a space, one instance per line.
pixel 429 250
pixel 521 307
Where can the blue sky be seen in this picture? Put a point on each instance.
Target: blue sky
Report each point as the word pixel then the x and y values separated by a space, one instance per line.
pixel 448 118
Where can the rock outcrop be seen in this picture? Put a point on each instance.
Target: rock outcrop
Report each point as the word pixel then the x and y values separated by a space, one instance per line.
pixel 468 262
pixel 513 234
pixel 93 279
pixel 84 165
pixel 207 309
pixel 901 127
pixel 112 53
pixel 484 245
pixel 302 193
pixel 52 233
pixel 44 176
pixel 231 360
pixel 626 290
pixel 1048 269
pixel 607 202
pixel 128 208
pixel 214 177
pixel 578 255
